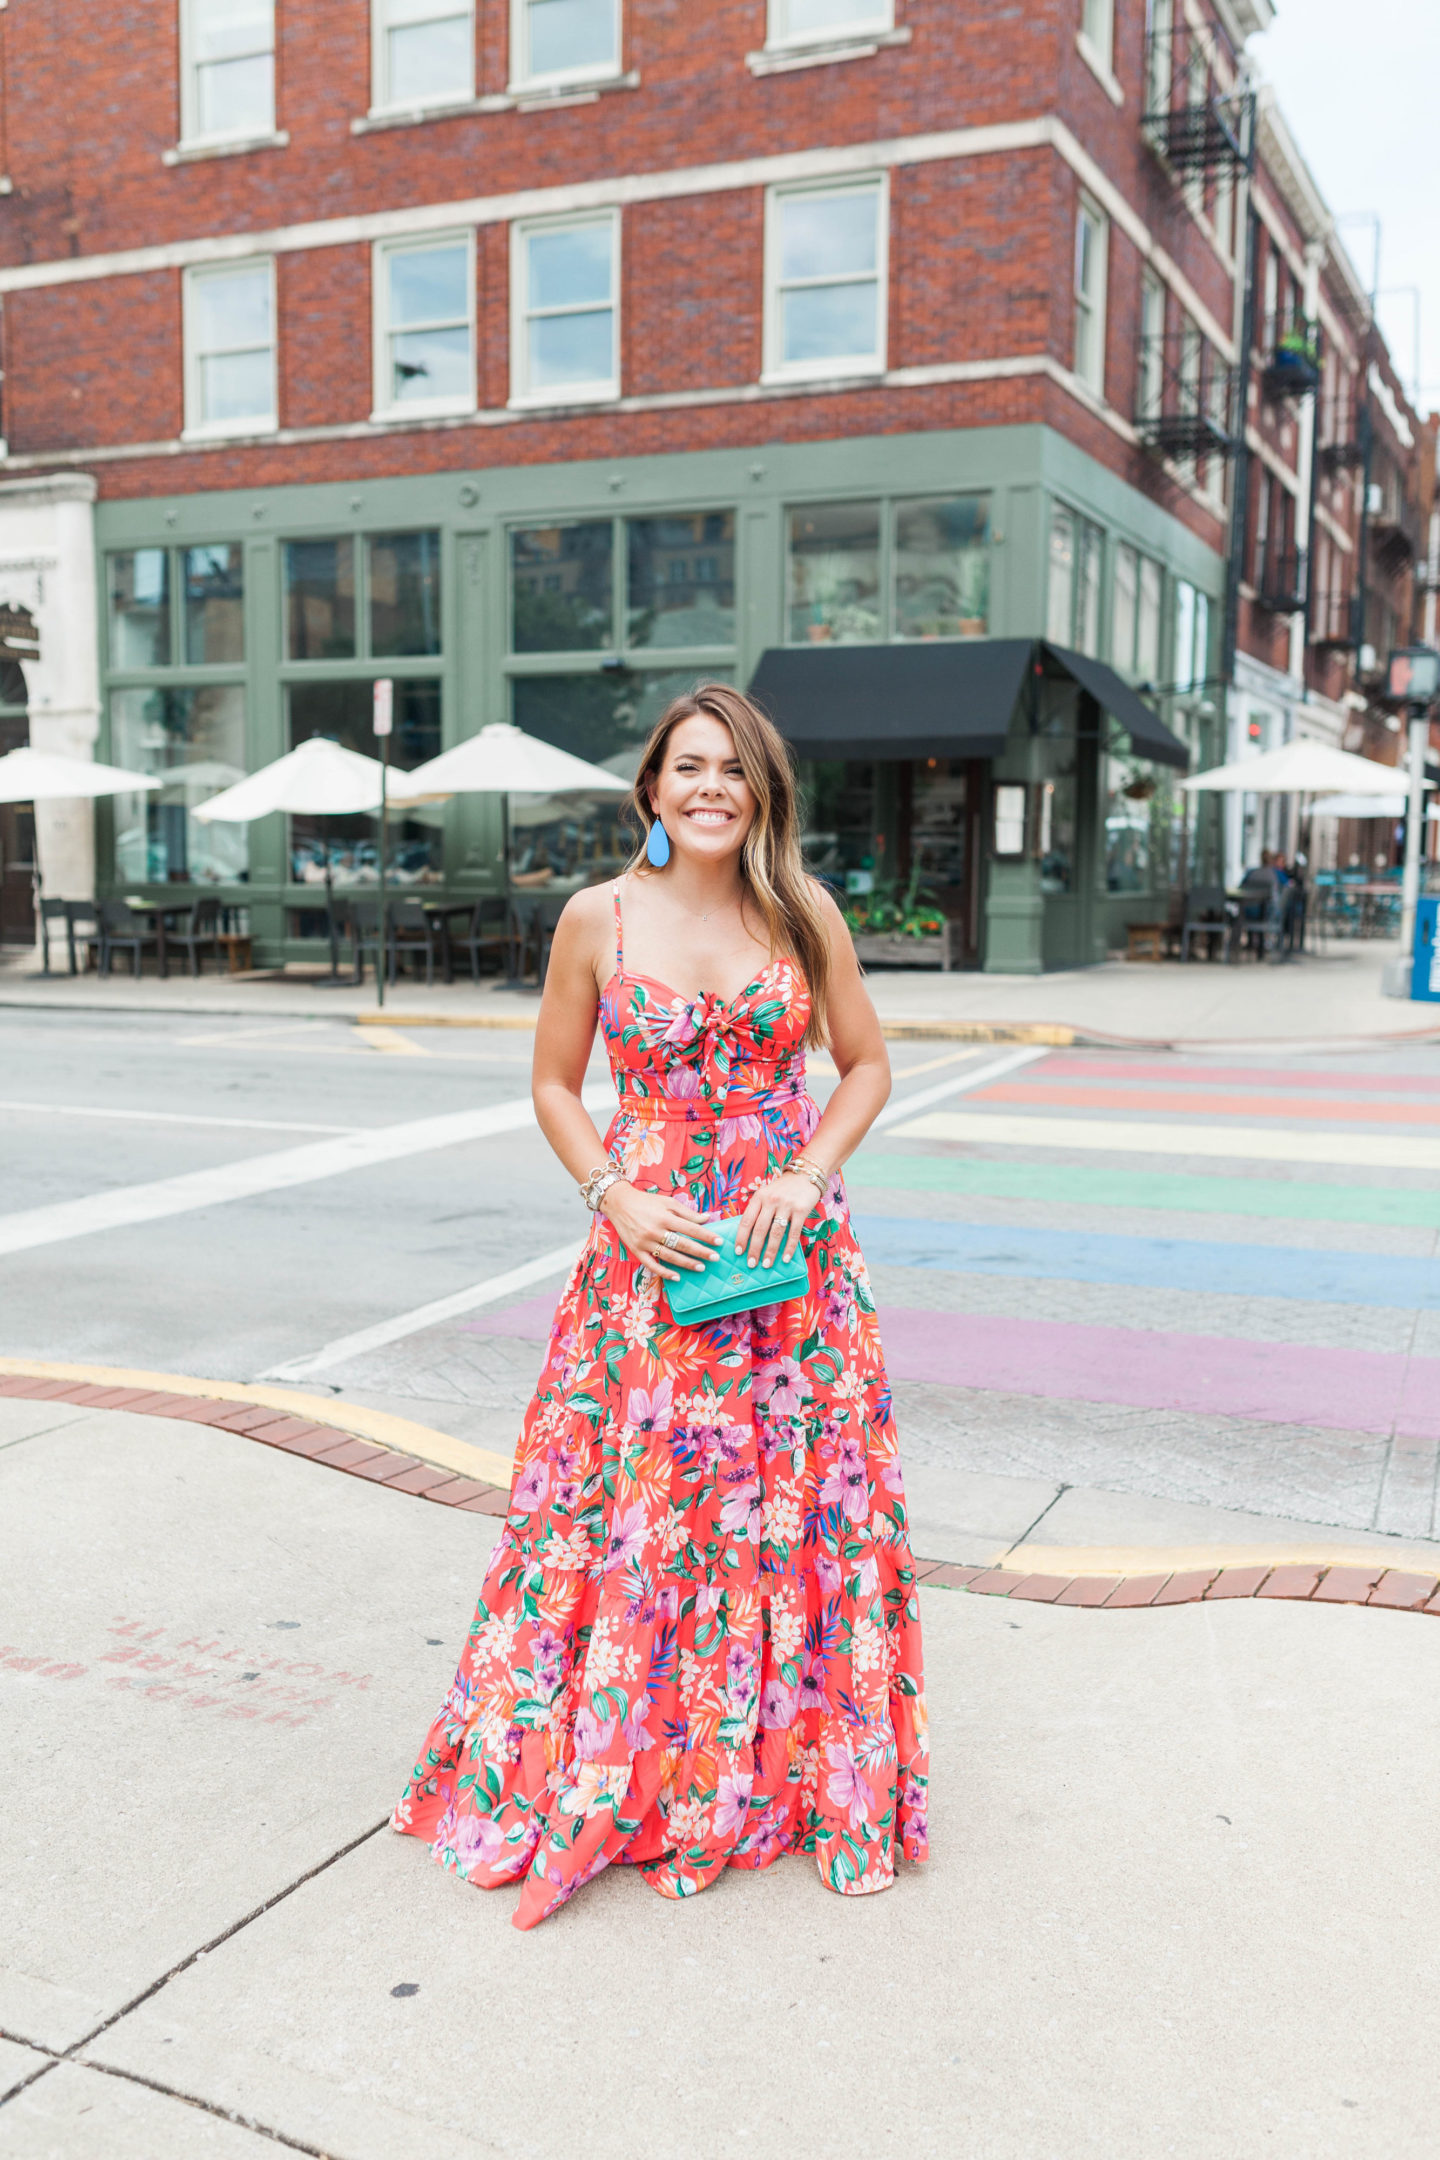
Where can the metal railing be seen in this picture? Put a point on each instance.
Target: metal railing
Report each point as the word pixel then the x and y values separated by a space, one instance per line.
pixel 1189 120
pixel 1282 586
pixel 1185 397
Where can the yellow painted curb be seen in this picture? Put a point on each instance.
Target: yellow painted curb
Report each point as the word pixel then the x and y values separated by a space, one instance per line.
pixel 1053 1036
pixel 379 1426
pixel 389 1018
pixel 1084 1560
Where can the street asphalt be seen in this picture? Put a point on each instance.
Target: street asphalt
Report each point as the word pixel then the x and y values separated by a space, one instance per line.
pixel 1130 1299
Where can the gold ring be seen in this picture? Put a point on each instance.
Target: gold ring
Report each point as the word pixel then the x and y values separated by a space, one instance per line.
pixel 670 1241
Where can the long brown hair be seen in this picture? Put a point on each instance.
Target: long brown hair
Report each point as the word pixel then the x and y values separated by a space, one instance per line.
pixel 770 863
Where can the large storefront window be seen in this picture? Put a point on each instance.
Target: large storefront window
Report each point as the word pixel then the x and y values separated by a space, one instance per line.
pixel 681 579
pixel 562 587
pixel 833 575
pixel 1072 598
pixel 214 601
pixel 194 740
pixel 404 580
pixel 319 599
pixel 942 567
pixel 1141 826
pixel 139 593
pixel 344 712
pixel 858 573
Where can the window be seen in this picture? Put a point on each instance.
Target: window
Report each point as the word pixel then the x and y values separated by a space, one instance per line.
pixel 1091 251
pixel 562 587
pixel 681 579
pixel 826 269
pixel 1097 22
pixel 424 52
pixel 319 599
pixel 833 575
pixel 1089 557
pixel 942 567
pixel 415 836
pixel 565 281
pixel 1124 603
pixel 1185 612
pixel 1147 625
pixel 1072 601
pixel 1150 391
pixel 230 348
pixel 396 611
pixel 193 740
pixel 811 22
pixel 138 583
pixel 1060 582
pixel 560 41
pixel 425 326
pixel 227 69
pixel 214 603
pixel 1159 18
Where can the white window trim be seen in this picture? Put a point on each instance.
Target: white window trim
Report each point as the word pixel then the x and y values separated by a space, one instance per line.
pixel 382 105
pixel 522 397
pixel 1100 68
pixel 879 21
pixel 196 429
pixel 416 408
pixel 242 138
pixel 844 369
pixel 523 83
pixel 1086 206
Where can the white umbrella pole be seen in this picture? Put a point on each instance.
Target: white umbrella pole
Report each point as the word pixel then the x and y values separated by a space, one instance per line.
pixel 381 945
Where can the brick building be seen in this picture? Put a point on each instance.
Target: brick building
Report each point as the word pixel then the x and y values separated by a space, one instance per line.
pixel 542 356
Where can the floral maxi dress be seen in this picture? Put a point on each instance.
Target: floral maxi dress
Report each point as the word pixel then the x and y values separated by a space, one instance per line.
pixel 697 1644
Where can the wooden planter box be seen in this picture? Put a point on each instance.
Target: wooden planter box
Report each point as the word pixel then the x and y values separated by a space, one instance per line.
pixel 907 952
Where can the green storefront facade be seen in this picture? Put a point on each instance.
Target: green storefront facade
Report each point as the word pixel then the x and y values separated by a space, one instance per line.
pixel 576 599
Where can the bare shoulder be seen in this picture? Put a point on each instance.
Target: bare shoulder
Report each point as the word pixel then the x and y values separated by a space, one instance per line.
pixel 588 912
pixel 585 935
pixel 828 905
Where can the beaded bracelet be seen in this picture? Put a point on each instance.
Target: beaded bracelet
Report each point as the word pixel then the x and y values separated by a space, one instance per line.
pixel 804 1167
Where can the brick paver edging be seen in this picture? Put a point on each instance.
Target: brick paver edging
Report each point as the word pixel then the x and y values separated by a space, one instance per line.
pixel 1394 1588
pixel 326 1444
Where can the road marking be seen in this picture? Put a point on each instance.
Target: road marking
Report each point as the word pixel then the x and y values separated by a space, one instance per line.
pixel 1204 1193
pixel 499 1287
pixel 166 1117
pixel 894 1111
pixel 1101 1096
pixel 559 1261
pixel 951 1057
pixel 384 1038
pixel 1247 1143
pixel 130 1204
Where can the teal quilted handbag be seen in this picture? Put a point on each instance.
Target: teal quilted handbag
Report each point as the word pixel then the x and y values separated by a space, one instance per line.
pixel 728 1283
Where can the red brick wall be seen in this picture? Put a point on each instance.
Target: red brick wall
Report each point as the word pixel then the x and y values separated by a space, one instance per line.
pixel 981 262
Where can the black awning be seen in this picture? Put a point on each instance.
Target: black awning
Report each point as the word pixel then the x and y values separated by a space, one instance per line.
pixel 952 698
pixel 1149 736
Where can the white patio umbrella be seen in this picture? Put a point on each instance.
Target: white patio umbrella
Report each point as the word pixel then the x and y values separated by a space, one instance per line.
pixel 28 775
pixel 1301 767
pixel 34 776
pixel 318 778
pixel 503 760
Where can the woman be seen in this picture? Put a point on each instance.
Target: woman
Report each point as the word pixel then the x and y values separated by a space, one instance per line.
pixel 697 1645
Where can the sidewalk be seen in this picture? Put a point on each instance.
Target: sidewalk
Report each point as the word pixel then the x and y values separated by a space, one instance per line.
pixel 1331 998
pixel 1175 1852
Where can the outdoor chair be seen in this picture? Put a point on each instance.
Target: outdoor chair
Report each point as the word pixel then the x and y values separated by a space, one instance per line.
pixel 1207 915
pixel 362 926
pixel 535 922
pixel 1261 914
pixel 82 928
pixel 54 911
pixel 121 929
pixel 412 930
pixel 487 931
pixel 197 929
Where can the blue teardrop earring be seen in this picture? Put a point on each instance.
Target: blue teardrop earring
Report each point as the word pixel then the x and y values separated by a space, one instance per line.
pixel 657 846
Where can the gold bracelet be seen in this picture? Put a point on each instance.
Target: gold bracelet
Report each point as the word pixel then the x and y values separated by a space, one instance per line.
pixel 802 1166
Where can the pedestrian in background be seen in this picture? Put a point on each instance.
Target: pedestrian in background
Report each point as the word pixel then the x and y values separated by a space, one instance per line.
pixel 698 1644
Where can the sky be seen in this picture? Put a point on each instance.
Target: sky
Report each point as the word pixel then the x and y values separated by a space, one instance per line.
pixel 1360 89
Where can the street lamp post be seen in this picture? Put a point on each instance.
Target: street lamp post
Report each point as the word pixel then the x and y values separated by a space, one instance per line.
pixel 1414 681
pixel 384 722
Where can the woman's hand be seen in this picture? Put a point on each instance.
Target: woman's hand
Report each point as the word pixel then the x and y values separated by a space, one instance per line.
pixel 773 1221
pixel 661 1229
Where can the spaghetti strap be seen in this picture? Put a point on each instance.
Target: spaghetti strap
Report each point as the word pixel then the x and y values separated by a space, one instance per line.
pixel 619 930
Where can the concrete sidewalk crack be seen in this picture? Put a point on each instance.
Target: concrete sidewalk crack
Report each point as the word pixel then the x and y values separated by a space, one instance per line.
pixel 1026 1535
pixel 211 2107
pixel 226 1934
